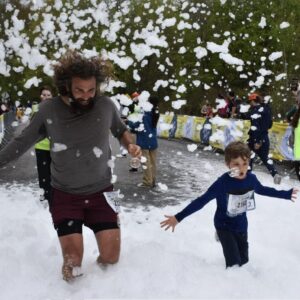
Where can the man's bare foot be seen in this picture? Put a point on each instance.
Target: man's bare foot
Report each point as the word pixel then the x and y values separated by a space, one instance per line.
pixel 70 273
pixel 101 264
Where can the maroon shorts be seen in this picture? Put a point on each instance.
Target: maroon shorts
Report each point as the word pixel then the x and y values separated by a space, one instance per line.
pixel 90 209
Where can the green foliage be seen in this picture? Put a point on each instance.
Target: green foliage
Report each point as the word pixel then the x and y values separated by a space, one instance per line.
pixel 252 30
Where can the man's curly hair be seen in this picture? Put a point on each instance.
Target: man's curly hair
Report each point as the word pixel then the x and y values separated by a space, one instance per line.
pixel 75 64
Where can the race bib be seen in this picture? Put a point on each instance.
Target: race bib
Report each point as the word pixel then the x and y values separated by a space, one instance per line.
pixel 113 199
pixel 238 204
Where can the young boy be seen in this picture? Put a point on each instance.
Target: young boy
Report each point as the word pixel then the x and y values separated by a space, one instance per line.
pixel 234 192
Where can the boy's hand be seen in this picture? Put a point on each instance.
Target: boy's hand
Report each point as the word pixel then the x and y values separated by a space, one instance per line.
pixel 171 221
pixel 294 194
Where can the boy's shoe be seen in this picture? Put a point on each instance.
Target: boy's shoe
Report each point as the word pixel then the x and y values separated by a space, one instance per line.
pixel 133 170
pixel 277 179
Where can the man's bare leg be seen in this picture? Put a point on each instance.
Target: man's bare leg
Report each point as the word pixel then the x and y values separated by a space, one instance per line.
pixel 109 244
pixel 72 251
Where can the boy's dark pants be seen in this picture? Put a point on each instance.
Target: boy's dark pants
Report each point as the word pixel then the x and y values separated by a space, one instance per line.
pixel 235 247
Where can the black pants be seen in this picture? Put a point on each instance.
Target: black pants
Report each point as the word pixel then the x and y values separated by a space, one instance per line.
pixel 263 154
pixel 235 247
pixel 43 161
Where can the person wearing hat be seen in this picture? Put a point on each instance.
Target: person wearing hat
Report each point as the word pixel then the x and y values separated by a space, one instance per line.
pixel 258 142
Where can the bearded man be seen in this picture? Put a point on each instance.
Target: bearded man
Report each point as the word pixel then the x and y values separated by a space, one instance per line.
pixel 78 124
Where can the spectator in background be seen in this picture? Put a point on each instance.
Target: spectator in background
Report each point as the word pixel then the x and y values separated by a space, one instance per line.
pixel 295 89
pixel 134 111
pixel 242 110
pixel 20 112
pixel 3 108
pixel 42 152
pixel 294 121
pixel 232 104
pixel 289 115
pixel 147 139
pixel 222 106
pixel 261 121
pixel 206 110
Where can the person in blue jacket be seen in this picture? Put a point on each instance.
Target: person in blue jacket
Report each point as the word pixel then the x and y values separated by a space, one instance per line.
pixel 146 138
pixel 234 193
pixel 261 121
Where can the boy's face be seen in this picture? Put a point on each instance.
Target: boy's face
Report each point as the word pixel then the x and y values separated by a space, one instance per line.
pixel 241 164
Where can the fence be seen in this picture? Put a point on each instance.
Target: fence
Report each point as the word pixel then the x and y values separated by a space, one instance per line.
pixel 218 132
pixel 6 128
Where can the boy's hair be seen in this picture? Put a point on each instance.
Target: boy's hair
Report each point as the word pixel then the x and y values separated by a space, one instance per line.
pixel 75 64
pixel 235 150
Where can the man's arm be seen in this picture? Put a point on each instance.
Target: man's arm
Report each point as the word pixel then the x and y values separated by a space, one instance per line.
pixel 34 132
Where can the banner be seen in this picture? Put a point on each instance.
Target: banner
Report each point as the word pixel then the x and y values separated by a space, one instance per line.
pixel 164 125
pixel 279 141
pixel 181 121
pixel 219 132
pixel 188 128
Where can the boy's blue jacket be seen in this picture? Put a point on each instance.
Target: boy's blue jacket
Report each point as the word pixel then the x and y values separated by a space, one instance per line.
pixel 220 190
pixel 147 137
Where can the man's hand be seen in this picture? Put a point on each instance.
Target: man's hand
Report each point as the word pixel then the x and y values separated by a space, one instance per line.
pixel 134 150
pixel 171 221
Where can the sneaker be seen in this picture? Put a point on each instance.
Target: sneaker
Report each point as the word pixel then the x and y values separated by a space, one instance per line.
pixel 143 185
pixel 277 179
pixel 156 189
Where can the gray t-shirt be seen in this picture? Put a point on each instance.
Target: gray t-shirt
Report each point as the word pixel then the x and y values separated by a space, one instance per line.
pixel 80 149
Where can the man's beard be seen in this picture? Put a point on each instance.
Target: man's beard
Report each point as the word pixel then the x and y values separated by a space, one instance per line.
pixel 78 107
